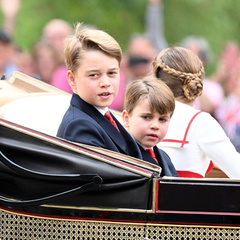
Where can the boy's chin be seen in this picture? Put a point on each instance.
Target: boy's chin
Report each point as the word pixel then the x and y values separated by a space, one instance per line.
pixel 105 105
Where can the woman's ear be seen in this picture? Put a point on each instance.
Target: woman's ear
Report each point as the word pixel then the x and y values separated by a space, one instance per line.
pixel 125 119
pixel 71 80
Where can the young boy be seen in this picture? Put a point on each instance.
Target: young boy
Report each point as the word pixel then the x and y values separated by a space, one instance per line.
pixel 148 107
pixel 93 58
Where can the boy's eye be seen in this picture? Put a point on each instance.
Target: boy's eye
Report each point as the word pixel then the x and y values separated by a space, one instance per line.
pixel 112 73
pixel 163 119
pixel 146 117
pixel 93 75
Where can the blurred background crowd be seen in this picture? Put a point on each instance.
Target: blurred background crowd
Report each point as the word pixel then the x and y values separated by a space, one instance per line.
pixel 32 33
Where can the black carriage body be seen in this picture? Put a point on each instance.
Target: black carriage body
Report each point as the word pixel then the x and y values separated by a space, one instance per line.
pixel 47 178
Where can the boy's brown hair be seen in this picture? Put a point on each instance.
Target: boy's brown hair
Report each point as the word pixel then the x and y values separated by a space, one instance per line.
pixel 160 96
pixel 86 40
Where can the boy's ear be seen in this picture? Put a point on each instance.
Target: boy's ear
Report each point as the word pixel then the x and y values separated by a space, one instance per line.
pixel 71 80
pixel 125 119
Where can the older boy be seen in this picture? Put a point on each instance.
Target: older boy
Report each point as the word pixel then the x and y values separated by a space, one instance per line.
pixel 93 58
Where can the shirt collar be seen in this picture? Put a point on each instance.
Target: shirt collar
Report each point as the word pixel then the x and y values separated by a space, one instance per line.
pixel 102 110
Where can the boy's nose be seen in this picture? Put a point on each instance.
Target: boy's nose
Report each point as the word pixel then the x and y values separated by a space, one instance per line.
pixel 104 81
pixel 155 124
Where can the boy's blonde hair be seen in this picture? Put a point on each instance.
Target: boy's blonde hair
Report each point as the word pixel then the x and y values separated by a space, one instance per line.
pixel 181 70
pixel 159 95
pixel 86 40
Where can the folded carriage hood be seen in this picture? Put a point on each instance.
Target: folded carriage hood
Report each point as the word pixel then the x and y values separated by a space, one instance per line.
pixel 39 169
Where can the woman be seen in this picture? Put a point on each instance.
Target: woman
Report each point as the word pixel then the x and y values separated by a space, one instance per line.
pixel 194 138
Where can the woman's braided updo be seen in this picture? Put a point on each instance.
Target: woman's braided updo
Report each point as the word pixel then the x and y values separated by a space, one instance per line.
pixel 181 70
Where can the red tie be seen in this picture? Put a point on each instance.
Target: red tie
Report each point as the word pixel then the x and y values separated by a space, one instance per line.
pixel 110 118
pixel 151 152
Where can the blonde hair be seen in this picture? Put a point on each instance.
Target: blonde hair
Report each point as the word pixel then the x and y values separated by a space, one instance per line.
pixel 160 97
pixel 181 70
pixel 86 40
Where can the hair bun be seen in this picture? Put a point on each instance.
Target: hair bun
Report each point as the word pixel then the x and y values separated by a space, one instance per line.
pixel 192 87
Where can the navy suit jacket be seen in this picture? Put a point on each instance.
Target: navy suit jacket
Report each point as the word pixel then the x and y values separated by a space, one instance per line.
pixel 83 123
pixel 164 161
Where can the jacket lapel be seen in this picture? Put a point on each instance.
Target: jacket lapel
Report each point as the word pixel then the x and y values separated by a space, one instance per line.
pixel 122 139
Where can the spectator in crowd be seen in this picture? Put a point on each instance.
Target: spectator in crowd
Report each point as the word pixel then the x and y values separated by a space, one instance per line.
pixel 24 61
pixel 136 64
pixel 154 24
pixel 20 59
pixel 46 61
pixel 117 103
pixel 54 33
pixel 7 66
pixel 228 74
pixel 141 50
pixel 10 10
pixel 140 55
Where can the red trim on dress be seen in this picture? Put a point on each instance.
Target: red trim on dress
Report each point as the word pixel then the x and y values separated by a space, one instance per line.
pixel 185 135
pixel 210 167
pixel 183 142
pixel 188 174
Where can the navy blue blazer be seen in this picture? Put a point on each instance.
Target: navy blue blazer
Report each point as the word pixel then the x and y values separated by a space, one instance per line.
pixel 83 123
pixel 164 161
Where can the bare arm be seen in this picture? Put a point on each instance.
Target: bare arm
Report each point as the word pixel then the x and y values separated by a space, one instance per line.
pixel 10 9
pixel 155 25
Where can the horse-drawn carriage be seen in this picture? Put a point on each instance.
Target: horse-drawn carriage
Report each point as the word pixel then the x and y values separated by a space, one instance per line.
pixel 56 189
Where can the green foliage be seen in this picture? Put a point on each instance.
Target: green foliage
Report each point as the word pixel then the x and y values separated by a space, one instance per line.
pixel 120 18
pixel 216 20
